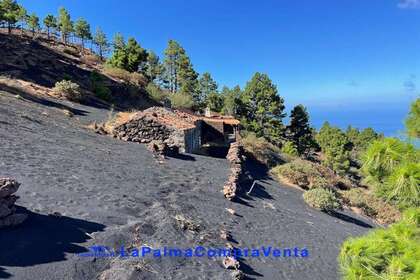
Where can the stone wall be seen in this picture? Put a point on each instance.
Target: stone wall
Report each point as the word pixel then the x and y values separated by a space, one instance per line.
pixel 8 217
pixel 236 158
pixel 145 129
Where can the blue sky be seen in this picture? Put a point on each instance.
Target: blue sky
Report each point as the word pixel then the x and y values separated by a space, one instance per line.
pixel 318 52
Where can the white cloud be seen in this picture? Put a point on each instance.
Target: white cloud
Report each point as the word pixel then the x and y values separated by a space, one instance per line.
pixel 409 4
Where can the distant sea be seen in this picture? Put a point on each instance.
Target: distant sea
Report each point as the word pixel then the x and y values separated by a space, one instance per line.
pixel 384 117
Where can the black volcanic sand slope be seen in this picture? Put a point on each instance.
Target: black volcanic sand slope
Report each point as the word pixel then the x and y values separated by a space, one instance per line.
pixel 82 189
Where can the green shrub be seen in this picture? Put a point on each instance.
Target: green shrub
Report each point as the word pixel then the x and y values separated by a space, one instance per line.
pixel 181 100
pixel 289 149
pixel 262 150
pixel 298 172
pixel 99 89
pixel 156 93
pixel 392 253
pixel 68 90
pixel 323 199
pixel 319 182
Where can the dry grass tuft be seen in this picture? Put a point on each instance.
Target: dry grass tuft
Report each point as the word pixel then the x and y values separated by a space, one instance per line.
pixel 370 205
pixel 134 78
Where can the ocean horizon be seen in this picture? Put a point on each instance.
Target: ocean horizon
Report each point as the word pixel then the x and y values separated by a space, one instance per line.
pixel 387 116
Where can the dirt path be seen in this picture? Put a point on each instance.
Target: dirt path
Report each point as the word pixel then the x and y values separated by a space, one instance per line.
pixel 109 192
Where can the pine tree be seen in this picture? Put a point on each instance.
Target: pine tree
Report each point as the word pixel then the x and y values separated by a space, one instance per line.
pixel 179 72
pixel 33 23
pixel 263 108
pixel 10 13
pixel 413 120
pixel 82 30
pixel 299 131
pixel 336 146
pixel 65 24
pixel 128 56
pixel 136 55
pixel 154 69
pixel 207 86
pixel 214 101
pixel 22 17
pixel 50 22
pixel 231 100
pixel 101 42
pixel 188 78
pixel 172 56
pixel 119 56
pixel 118 42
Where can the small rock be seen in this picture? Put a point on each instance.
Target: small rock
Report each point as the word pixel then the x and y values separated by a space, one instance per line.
pixel 8 186
pixel 230 263
pixel 237 275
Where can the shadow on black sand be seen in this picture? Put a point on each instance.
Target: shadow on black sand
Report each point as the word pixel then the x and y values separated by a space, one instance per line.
pixel 349 219
pixel 43 239
pixel 40 100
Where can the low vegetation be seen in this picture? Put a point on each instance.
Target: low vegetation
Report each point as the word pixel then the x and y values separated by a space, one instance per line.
pixel 181 101
pixel 262 150
pixel 370 205
pixel 322 199
pixel 156 93
pixel 290 149
pixel 391 253
pixel 98 87
pixel 306 175
pixel 68 90
pixel 132 78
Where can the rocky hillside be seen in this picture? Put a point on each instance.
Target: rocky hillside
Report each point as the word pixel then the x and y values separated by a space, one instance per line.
pixel 40 63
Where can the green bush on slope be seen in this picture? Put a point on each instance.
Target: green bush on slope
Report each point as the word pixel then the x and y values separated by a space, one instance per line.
pixel 323 199
pixel 392 253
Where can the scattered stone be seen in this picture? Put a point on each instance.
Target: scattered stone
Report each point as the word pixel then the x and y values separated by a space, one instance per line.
pixel 98 128
pixel 68 113
pixel 186 224
pixel 237 275
pixel 230 263
pixel 231 211
pixel 8 217
pixel 224 235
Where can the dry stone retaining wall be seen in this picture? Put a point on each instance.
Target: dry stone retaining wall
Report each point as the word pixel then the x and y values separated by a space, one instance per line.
pixel 162 125
pixel 236 158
